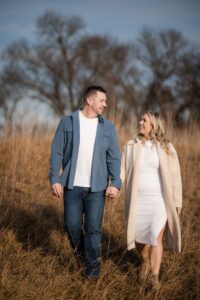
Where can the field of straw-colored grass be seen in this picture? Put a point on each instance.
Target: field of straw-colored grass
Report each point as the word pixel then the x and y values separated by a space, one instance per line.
pixel 36 261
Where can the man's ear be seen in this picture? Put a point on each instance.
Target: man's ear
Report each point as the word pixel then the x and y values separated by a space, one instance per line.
pixel 89 100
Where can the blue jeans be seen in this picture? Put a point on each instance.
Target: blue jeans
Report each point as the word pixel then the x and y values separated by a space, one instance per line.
pixel 83 216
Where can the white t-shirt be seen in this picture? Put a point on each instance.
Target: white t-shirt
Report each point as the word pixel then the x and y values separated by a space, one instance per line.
pixel 88 128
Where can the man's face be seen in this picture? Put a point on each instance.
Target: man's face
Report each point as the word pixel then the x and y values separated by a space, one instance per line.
pixel 97 102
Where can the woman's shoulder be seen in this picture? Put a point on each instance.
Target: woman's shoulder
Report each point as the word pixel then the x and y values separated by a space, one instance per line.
pixel 132 142
pixel 171 151
pixel 171 147
pixel 129 147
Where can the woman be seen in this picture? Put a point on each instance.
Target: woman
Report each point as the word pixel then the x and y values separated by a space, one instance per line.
pixel 153 194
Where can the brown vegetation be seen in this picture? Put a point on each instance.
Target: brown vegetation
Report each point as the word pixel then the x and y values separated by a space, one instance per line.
pixel 36 261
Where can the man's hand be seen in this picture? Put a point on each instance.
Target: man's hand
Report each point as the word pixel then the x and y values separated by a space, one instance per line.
pixel 112 192
pixel 56 189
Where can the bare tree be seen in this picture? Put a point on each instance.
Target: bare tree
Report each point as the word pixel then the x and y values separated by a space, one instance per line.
pixel 159 71
pixel 188 86
pixel 46 71
pixel 160 53
pixel 64 61
pixel 9 98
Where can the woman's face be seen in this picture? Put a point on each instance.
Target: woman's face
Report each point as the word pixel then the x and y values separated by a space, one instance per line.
pixel 144 125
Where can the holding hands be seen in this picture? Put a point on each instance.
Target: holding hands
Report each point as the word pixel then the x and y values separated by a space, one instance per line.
pixel 56 189
pixel 112 192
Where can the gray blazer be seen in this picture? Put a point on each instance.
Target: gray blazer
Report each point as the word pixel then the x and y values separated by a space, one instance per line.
pixel 64 152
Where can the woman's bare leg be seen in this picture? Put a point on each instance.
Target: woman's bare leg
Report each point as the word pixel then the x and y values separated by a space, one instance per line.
pixel 156 253
pixel 145 264
pixel 143 249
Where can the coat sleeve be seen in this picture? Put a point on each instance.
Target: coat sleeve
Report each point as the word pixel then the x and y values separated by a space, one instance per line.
pixel 57 148
pixel 176 177
pixel 113 160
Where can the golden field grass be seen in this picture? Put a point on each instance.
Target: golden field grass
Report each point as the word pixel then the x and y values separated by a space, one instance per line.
pixel 36 261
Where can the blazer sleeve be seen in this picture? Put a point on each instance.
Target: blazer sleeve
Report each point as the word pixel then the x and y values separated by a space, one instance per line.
pixel 176 177
pixel 113 160
pixel 56 158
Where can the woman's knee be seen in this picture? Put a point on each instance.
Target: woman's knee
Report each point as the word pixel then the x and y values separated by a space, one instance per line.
pixel 159 239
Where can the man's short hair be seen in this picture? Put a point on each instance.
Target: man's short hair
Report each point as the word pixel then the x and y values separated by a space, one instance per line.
pixel 92 90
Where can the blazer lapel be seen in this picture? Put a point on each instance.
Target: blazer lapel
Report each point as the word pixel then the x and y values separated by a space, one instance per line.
pixel 97 146
pixel 76 136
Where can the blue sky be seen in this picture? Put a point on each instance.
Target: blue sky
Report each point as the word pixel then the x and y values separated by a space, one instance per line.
pixel 123 19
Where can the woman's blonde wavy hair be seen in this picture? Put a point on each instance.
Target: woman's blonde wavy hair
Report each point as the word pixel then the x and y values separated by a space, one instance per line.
pixel 158 132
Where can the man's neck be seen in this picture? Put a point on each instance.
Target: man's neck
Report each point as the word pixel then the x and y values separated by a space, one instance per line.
pixel 88 113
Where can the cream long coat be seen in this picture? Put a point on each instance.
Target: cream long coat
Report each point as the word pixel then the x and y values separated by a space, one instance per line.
pixel 172 186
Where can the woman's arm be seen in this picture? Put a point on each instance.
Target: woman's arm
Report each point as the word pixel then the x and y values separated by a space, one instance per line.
pixel 176 179
pixel 123 165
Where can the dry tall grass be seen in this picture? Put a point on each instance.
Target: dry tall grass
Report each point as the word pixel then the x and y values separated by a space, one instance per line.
pixel 36 261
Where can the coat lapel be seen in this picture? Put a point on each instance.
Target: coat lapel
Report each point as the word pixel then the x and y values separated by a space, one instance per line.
pixel 163 169
pixel 133 195
pixel 163 158
pixel 136 152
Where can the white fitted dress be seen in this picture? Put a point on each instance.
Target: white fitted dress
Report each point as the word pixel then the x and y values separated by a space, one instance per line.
pixel 150 207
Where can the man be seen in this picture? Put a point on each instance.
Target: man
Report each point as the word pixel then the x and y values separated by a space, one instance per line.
pixel 86 146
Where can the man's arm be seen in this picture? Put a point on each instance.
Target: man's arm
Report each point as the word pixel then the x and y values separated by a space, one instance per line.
pixel 113 165
pixel 56 158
